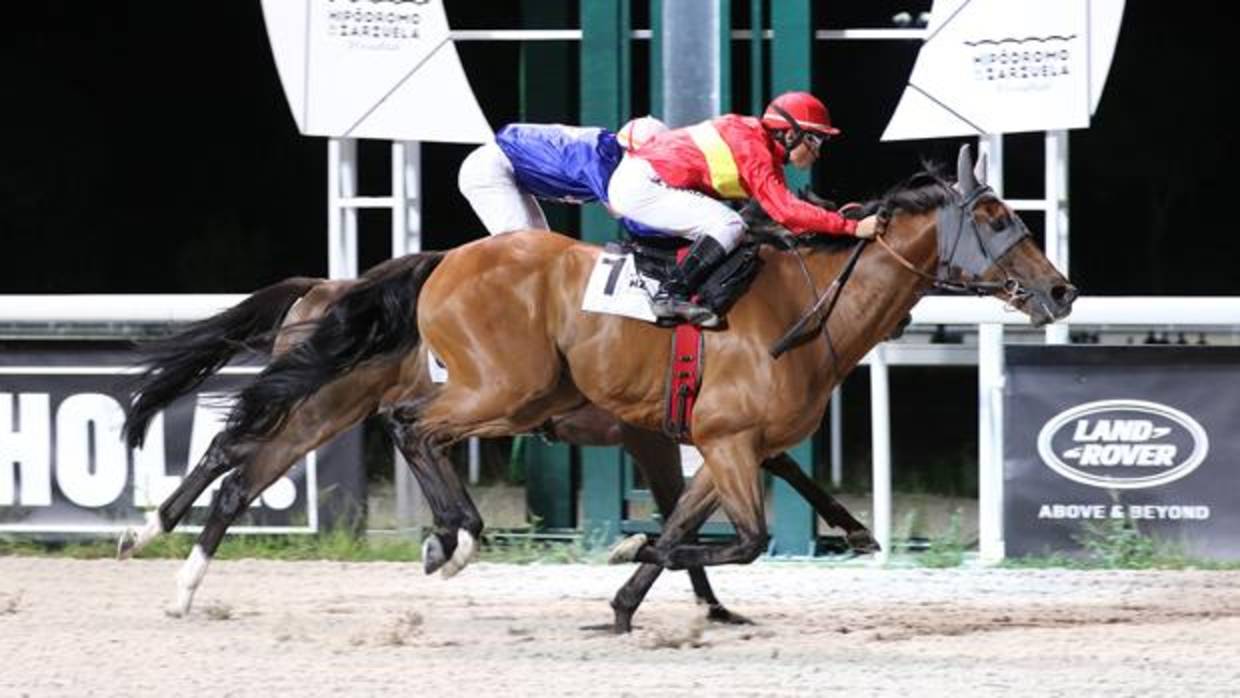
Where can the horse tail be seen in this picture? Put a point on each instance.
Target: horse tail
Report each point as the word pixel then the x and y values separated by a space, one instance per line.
pixel 378 317
pixel 176 365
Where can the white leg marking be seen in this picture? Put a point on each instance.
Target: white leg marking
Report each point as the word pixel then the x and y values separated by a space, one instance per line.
pixel 466 548
pixel 626 550
pixel 134 540
pixel 188 580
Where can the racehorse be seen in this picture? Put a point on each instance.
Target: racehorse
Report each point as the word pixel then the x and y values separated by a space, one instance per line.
pixel 503 315
pixel 277 318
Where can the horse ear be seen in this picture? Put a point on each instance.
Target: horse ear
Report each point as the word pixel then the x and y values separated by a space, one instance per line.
pixel 964 171
pixel 979 170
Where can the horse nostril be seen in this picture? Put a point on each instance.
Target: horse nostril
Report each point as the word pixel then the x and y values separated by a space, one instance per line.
pixel 1064 294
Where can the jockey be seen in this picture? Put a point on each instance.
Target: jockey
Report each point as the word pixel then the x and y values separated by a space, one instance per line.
pixel 504 179
pixel 675 181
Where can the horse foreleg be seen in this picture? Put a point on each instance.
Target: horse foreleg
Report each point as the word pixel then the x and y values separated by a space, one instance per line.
pixel 458 525
pixel 696 504
pixel 215 462
pixel 658 457
pixel 734 468
pixel 858 536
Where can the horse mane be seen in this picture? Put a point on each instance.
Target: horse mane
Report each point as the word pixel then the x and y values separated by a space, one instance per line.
pixel 925 191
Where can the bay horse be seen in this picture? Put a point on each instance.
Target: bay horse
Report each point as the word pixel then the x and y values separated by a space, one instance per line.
pixel 503 315
pixel 274 319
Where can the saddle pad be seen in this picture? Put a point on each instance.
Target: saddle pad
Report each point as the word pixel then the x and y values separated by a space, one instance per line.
pixel 616 287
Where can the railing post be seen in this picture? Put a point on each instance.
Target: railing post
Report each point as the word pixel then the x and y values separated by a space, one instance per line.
pixel 880 445
pixel 990 382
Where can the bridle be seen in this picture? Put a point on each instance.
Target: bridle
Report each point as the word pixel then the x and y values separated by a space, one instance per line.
pixel 975 258
pixel 993 250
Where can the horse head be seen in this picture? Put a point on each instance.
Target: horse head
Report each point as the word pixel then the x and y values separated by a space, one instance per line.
pixel 984 247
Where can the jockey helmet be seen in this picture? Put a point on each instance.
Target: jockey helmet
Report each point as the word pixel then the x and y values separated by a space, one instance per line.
pixel 634 133
pixel 799 111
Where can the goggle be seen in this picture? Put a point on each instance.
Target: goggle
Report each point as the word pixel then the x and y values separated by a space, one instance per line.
pixel 814 139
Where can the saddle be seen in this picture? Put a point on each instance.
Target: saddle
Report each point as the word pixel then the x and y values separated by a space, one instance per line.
pixel 656 257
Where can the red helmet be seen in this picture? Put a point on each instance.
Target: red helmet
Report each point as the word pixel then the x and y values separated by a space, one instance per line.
pixel 805 111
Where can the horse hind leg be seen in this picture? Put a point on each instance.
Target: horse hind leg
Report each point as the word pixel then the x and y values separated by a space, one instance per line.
pixel 218 460
pixel 458 525
pixel 328 412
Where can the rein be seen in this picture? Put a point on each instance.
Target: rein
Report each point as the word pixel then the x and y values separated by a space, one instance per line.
pixel 1010 286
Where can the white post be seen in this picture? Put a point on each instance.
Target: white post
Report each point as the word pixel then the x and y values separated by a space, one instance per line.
pixel 880 445
pixel 837 437
pixel 406 197
pixel 990 383
pixel 406 239
pixel 341 216
pixel 991 145
pixel 1057 216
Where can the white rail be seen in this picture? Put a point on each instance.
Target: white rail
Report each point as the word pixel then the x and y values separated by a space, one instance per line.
pixel 989 315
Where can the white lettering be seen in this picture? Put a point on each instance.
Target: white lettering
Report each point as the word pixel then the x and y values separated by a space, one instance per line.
pixel 151 482
pixel 91 463
pixel 25 450
pixel 1114 430
pixel 1162 455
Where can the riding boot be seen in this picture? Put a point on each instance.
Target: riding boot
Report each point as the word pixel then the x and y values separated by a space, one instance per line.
pixel 674 297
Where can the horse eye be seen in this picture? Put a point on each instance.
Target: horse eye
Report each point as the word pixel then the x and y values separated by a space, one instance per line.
pixel 999 224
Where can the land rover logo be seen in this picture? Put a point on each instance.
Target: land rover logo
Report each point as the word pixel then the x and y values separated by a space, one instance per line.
pixel 1123 444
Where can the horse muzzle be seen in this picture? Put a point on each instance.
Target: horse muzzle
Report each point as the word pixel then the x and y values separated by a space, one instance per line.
pixel 1045 305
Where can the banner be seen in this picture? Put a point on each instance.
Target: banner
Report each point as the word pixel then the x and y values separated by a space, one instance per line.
pixel 1007 66
pixel 1147 435
pixel 65 470
pixel 377 69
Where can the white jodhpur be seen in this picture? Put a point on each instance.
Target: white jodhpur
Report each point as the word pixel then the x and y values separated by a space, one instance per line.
pixel 487 181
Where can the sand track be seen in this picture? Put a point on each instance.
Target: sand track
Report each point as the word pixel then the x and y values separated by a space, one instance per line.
pixel 260 628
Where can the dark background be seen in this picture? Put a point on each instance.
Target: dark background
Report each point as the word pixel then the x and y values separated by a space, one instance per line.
pixel 149 147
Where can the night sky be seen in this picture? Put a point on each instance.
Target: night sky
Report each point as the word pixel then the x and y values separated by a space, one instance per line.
pixel 149 149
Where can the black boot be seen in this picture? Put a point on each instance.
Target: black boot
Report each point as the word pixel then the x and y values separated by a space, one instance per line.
pixel 673 299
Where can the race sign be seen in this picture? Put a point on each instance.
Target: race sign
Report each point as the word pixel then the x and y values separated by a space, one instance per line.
pixel 64 468
pixel 1146 435
pixel 615 287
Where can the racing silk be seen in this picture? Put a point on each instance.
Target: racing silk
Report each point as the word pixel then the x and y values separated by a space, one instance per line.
pixel 572 164
pixel 561 163
pixel 734 157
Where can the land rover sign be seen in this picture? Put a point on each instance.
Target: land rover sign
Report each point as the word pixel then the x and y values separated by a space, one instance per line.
pixel 1142 435
pixel 1123 444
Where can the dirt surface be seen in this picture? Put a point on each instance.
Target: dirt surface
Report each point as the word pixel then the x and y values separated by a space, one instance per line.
pixel 80 628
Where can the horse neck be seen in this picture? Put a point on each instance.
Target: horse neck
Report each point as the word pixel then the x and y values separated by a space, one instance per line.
pixel 881 291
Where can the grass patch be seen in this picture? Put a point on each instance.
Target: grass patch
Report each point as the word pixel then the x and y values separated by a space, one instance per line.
pixel 1118 544
pixel 946 550
pixel 337 545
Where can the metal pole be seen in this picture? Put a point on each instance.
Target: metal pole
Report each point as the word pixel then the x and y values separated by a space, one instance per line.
pixel 691 60
pixel 837 437
pixel 990 383
pixel 880 444
pixel 1057 216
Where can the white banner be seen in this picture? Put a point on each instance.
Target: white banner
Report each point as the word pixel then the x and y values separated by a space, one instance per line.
pixel 378 69
pixel 1007 66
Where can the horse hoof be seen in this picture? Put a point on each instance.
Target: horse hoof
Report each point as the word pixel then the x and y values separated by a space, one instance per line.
pixel 623 624
pixel 126 543
pixel 432 554
pixel 719 614
pixel 862 543
pixel 465 551
pixel 626 550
